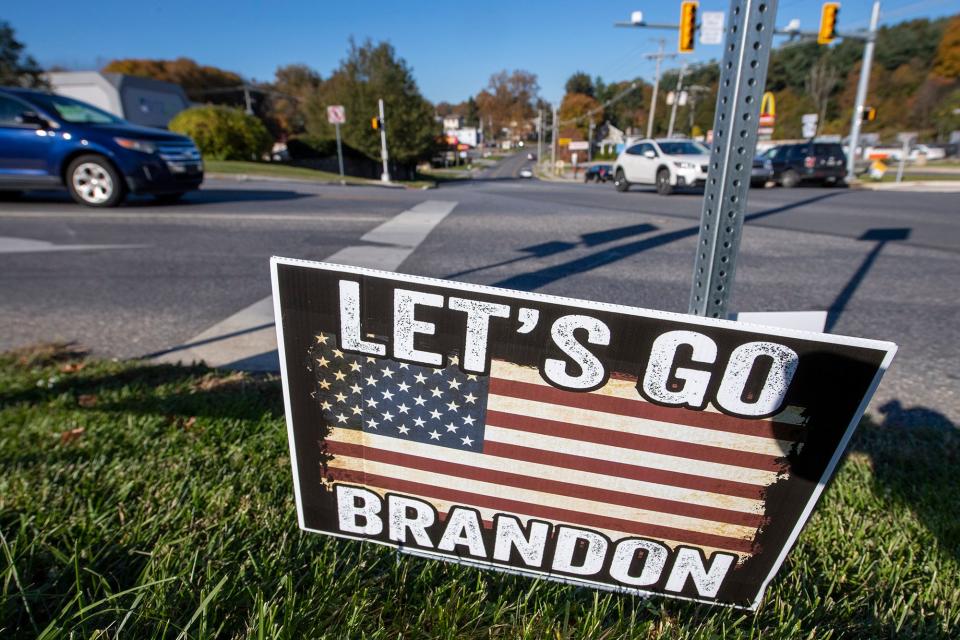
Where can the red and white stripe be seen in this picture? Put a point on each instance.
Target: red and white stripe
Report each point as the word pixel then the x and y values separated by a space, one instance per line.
pixel 605 460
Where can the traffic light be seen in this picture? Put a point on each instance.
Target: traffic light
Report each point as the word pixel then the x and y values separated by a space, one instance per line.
pixel 828 22
pixel 375 123
pixel 869 114
pixel 688 26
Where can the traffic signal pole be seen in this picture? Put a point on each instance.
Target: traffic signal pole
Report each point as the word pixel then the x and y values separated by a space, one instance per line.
pixel 385 176
pixel 862 87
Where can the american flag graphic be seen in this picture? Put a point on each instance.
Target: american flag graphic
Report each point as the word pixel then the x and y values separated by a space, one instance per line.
pixel 511 443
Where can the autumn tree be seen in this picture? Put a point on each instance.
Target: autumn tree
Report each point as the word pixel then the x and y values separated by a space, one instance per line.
pixel 577 111
pixel 820 84
pixel 508 101
pixel 200 82
pixel 294 97
pixel 17 68
pixel 946 64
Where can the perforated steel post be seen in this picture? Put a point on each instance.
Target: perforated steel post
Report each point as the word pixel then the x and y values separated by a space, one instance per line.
pixel 743 74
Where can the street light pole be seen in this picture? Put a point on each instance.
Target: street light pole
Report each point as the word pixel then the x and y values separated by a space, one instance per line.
pixel 553 141
pixel 862 87
pixel 676 100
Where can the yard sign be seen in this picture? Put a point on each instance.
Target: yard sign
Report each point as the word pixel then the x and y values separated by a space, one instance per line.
pixel 595 444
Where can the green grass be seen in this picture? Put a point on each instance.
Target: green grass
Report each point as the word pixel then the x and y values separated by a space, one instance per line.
pixel 275 170
pixel 155 501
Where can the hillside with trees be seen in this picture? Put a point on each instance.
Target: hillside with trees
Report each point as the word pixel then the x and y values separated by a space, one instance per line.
pixel 914 85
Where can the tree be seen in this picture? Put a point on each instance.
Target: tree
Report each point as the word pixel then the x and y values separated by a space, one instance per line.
pixel 820 85
pixel 580 82
pixel 293 93
pixel 507 102
pixel 16 67
pixel 223 133
pixel 369 72
pixel 200 82
pixel 946 64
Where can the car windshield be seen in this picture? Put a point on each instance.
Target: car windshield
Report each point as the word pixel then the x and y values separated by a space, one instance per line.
pixel 682 148
pixel 75 111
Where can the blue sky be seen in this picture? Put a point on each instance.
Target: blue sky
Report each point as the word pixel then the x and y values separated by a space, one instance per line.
pixel 453 47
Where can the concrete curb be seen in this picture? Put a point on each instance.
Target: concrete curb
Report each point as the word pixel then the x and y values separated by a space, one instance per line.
pixel 934 186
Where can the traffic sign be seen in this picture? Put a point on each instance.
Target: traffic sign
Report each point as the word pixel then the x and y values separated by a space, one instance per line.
pixel 711 27
pixel 563 142
pixel 579 145
pixel 336 114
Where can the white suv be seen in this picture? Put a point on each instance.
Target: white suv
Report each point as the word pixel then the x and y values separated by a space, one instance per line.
pixel 664 163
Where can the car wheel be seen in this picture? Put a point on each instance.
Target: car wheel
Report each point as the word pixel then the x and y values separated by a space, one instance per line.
pixel 620 181
pixel 168 198
pixel 664 187
pixel 790 179
pixel 92 181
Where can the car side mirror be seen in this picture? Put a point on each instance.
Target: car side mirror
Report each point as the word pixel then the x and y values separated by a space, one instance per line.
pixel 32 119
pixel 649 154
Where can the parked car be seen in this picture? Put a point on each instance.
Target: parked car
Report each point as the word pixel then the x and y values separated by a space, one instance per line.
pixel 51 141
pixel 598 173
pixel 823 162
pixel 930 153
pixel 665 163
pixel 762 170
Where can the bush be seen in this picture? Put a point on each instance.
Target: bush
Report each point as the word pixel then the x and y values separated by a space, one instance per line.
pixel 223 133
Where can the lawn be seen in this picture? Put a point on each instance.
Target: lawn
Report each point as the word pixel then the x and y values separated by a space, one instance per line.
pixel 155 501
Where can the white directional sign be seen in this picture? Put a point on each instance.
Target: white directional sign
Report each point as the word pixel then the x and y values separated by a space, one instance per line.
pixel 336 114
pixel 579 145
pixel 809 122
pixel 711 27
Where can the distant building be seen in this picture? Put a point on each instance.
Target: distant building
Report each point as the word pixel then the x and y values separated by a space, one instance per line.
pixel 452 122
pixel 142 101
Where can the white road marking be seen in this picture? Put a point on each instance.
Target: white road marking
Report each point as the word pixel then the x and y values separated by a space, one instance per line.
pixel 29 245
pixel 247 339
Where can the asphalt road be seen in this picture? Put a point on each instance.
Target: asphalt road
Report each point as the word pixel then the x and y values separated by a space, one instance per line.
pixel 143 278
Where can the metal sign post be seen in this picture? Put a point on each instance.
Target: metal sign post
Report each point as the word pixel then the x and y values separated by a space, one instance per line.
pixel 743 74
pixel 336 115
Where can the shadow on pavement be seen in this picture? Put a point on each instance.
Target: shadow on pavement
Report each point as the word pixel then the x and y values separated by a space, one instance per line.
pixel 203 196
pixel 542 277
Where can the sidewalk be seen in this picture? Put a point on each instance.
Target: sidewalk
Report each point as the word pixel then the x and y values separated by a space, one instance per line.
pixel 933 186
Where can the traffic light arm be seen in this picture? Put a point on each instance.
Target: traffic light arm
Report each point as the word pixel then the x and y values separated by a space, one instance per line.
pixel 649 25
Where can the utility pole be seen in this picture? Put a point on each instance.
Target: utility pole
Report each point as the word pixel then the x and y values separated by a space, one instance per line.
pixel 862 90
pixel 539 136
pixel 553 141
pixel 247 100
pixel 385 176
pixel 676 101
pixel 659 56
pixel 590 142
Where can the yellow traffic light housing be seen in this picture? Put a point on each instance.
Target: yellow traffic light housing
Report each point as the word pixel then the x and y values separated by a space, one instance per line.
pixel 375 123
pixel 869 114
pixel 828 22
pixel 688 26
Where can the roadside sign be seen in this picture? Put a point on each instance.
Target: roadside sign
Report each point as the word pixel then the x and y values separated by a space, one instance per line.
pixel 564 141
pixel 590 443
pixel 711 27
pixel 336 114
pixel 808 123
pixel 809 118
pixel 579 145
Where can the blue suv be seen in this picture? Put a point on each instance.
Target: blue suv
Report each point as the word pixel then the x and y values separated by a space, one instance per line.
pixel 50 141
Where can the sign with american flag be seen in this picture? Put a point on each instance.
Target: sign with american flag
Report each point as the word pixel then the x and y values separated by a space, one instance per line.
pixel 601 445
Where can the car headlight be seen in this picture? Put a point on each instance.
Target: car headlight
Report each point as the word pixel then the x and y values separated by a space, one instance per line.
pixel 143 146
pixel 685 165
